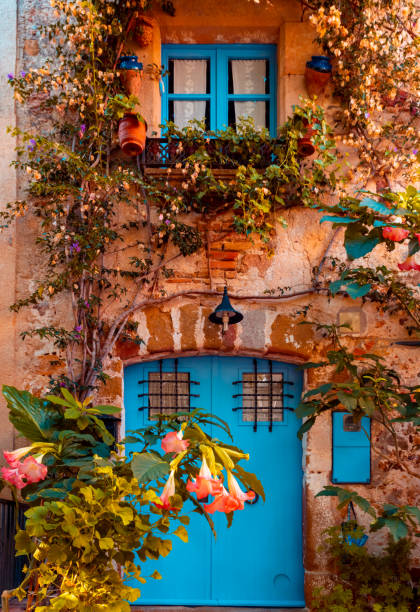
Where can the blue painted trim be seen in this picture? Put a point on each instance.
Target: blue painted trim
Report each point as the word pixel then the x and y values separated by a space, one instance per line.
pixel 219 56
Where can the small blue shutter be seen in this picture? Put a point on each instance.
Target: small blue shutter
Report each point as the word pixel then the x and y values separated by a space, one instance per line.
pixel 350 449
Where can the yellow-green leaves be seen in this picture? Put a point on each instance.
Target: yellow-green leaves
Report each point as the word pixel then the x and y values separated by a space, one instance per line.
pixel 182 533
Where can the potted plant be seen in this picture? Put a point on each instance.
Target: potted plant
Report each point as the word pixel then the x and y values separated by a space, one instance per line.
pixel 317 74
pixel 143 31
pixel 132 127
pixel 305 146
pixel 131 71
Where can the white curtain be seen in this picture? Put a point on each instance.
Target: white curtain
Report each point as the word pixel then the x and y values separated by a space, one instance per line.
pixel 190 77
pixel 249 77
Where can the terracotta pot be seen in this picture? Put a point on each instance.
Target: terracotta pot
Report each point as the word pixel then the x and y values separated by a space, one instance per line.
pixel 131 80
pixel 143 32
pixel 316 81
pixel 305 146
pixel 132 134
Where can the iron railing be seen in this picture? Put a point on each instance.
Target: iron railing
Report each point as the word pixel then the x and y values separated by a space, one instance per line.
pixel 11 574
pixel 168 153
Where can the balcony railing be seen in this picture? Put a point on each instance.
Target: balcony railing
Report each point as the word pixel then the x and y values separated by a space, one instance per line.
pixel 171 153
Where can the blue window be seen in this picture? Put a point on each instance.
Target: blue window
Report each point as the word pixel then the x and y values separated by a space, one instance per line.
pixel 220 84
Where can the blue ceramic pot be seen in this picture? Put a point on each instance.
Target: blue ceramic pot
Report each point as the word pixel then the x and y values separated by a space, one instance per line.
pixel 129 62
pixel 320 63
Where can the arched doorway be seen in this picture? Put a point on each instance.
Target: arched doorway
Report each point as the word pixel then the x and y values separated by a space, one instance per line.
pixel 258 561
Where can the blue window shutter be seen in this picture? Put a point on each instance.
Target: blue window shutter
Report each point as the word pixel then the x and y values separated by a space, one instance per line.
pixel 350 451
pixel 219 56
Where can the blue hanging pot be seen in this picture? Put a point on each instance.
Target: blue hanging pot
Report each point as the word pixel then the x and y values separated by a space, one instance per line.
pixel 350 527
pixel 129 62
pixel 320 63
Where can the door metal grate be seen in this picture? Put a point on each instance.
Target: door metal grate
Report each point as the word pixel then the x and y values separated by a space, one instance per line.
pixel 168 392
pixel 262 396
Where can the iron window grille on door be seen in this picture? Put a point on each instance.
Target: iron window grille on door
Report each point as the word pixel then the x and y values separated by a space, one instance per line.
pixel 262 396
pixel 220 83
pixel 168 392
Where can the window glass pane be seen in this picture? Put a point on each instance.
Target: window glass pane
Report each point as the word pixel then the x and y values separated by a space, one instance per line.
pixel 189 76
pixel 169 393
pixel 248 77
pixel 183 111
pixel 262 392
pixel 259 111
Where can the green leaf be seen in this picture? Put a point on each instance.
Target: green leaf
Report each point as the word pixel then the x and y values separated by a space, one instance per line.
pixel 147 466
pixel 359 244
pixel 106 543
pixel 31 416
pixel 337 220
pixel 182 533
pixel 104 410
pixel 156 575
pixel 354 290
pixel 378 207
pixel 348 400
pixel 305 427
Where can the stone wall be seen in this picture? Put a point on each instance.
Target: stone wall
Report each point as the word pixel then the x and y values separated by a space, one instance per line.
pixel 181 326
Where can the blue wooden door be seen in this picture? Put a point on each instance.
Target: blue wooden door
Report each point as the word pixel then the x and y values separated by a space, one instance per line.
pixel 258 561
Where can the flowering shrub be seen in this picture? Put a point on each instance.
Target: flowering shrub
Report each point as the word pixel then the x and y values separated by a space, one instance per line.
pixel 94 516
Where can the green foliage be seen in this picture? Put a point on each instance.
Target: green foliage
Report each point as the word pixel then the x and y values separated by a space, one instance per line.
pixel 95 513
pixel 365 582
pixel 364 220
pixel 363 385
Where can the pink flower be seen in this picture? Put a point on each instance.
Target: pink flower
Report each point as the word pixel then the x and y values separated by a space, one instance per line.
pixel 173 442
pixel 15 456
pixel 396 234
pixel 409 264
pixel 22 473
pixel 167 493
pixel 33 470
pixel 204 484
pixel 13 477
pixel 236 491
pixel 223 502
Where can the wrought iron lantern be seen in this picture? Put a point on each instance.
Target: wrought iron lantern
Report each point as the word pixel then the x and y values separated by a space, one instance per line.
pixel 225 314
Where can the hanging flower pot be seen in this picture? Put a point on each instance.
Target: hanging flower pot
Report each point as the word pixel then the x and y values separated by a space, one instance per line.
pixel 317 74
pixel 131 71
pixel 305 145
pixel 132 134
pixel 143 32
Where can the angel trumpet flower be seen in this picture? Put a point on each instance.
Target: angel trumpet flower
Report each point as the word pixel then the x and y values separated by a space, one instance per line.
pixel 167 493
pixel 22 473
pixel 237 493
pixel 223 502
pixel 173 442
pixel 204 484
pixel 409 264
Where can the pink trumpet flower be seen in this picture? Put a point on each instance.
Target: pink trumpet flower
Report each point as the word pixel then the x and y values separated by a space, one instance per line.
pixel 173 442
pixel 33 469
pixel 396 234
pixel 13 477
pixel 223 502
pixel 22 473
pixel 409 264
pixel 204 484
pixel 168 491
pixel 13 457
pixel 237 493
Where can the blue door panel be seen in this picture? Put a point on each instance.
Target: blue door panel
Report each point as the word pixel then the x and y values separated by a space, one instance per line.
pixel 258 561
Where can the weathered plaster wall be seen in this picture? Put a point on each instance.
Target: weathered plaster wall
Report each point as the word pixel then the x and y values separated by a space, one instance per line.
pixel 8 28
pixel 181 326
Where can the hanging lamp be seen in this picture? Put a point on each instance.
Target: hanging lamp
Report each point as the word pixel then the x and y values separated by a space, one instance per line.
pixel 225 314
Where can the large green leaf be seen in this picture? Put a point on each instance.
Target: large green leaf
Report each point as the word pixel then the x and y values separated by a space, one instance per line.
pixel 31 416
pixel 147 466
pixel 358 243
pixel 378 207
